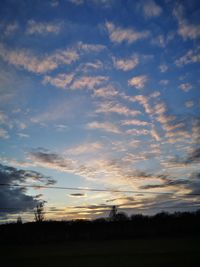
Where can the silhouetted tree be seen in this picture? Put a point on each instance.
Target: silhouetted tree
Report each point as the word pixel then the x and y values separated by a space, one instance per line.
pixel 39 212
pixel 121 216
pixel 19 220
pixel 113 213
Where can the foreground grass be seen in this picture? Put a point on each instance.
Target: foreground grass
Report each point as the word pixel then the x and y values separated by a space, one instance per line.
pixel 138 252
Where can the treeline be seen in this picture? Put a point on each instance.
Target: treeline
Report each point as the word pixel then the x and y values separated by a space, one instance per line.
pixel 122 227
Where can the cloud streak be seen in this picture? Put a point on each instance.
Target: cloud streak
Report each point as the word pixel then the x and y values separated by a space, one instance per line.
pixel 42 28
pixel 28 61
pixel 119 35
pixel 138 81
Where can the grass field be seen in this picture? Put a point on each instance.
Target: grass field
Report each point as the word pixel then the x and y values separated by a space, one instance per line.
pixel 141 252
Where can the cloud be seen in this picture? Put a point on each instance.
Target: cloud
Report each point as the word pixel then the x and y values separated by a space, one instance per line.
pixel 155 94
pixel 185 87
pixel 103 3
pixel 54 3
pixel 155 133
pixel 186 29
pixel 164 82
pixel 112 107
pixel 90 66
pixel 90 47
pixel 15 199
pixel 135 122
pixel 196 131
pixel 151 9
pixel 23 135
pixel 3 118
pixel 78 195
pixel 42 28
pixel 138 81
pixel 4 134
pixel 191 184
pixel 101 170
pixel 10 28
pixel 119 35
pixel 137 132
pixel 99 3
pixel 62 80
pixel 25 59
pixel 88 82
pixel 192 56
pixel 85 148
pixel 189 104
pixel 113 172
pixel 160 41
pixel 51 160
pixel 104 126
pixel 106 92
pixel 144 101
pixel 126 64
pixel 77 2
pixel 160 108
pixel 193 156
pixel 163 67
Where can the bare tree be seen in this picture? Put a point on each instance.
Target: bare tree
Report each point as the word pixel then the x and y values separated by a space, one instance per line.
pixel 39 212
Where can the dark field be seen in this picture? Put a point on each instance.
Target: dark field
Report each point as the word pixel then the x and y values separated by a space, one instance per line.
pixel 137 252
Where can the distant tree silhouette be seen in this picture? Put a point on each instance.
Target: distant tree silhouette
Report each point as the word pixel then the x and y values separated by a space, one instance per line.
pixel 39 212
pixel 121 216
pixel 19 220
pixel 113 213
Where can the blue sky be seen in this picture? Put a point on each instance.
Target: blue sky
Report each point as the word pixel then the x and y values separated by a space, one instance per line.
pixel 99 94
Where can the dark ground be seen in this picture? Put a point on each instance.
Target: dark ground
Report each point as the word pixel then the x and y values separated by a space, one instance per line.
pixel 182 251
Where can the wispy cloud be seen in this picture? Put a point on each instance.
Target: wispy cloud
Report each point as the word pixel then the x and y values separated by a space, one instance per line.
pixel 90 66
pixel 164 82
pixel 192 157
pixel 23 135
pixel 135 122
pixel 78 195
pixel 90 47
pixel 99 3
pixel 192 56
pixel 88 82
pixel 151 9
pixel 11 28
pixel 104 126
pixel 163 67
pixel 138 132
pixel 77 2
pixel 3 118
pixel 27 60
pixel 155 134
pixel 138 81
pixel 189 104
pixel 119 35
pixel 43 28
pixel 126 64
pixel 50 160
pixel 186 87
pixel 4 133
pixel 112 107
pixel 62 80
pixel 144 101
pixel 85 148
pixel 106 91
pixel 186 30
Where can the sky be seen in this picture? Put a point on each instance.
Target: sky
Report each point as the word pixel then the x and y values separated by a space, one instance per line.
pixel 99 94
